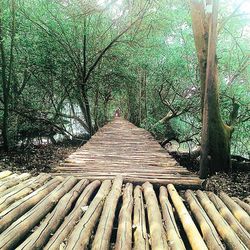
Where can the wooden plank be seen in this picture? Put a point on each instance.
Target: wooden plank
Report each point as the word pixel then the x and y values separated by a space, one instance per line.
pixel 124 232
pixel 208 230
pixel 10 238
pixel 189 226
pixel 49 226
pixel 80 236
pixel 226 232
pixel 139 222
pixel 157 233
pixel 105 226
pixel 72 219
pixel 173 236
pixel 237 211
pixel 18 208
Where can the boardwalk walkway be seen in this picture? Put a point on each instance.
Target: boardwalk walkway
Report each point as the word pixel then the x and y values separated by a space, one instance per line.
pixel 122 148
pixel 48 212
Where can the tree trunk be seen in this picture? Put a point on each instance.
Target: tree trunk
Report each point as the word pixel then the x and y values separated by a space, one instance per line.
pixel 215 141
pixel 5 88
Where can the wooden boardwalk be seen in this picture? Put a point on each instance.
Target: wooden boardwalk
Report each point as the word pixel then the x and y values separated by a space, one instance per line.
pixel 48 212
pixel 122 148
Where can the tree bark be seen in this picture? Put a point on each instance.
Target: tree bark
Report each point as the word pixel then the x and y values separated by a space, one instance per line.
pixel 215 141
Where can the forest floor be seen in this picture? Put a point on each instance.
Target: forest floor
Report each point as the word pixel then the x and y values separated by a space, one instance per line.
pixel 38 159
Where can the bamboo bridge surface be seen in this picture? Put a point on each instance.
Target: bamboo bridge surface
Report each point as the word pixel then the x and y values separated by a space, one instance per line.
pixel 55 212
pixel 122 148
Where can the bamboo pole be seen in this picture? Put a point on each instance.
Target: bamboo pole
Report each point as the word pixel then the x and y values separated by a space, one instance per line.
pixel 230 219
pixel 190 229
pixel 243 204
pixel 20 207
pixel 232 241
pixel 157 233
pixel 139 222
pixel 42 234
pixel 124 232
pixel 237 211
pixel 173 236
pixel 17 231
pixel 208 230
pixel 80 236
pixel 104 229
pixel 71 220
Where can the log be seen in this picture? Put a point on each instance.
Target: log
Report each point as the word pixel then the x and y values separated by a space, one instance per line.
pixel 20 207
pixel 49 226
pixel 8 178
pixel 190 229
pixel 247 200
pixel 139 222
pixel 105 226
pixel 208 230
pixel 24 184
pixel 124 232
pixel 80 236
pixel 72 219
pixel 13 196
pixel 157 233
pixel 173 236
pixel 232 241
pixel 13 181
pixel 243 204
pixel 18 230
pixel 237 211
pixel 230 219
pixel 4 174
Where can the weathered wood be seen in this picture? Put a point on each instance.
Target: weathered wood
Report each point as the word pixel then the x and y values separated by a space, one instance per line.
pixel 230 219
pixel 17 231
pixel 119 148
pixel 4 174
pixel 24 184
pixel 157 233
pixel 17 209
pixel 173 236
pixel 124 232
pixel 13 181
pixel 237 211
pixel 49 226
pixel 105 226
pixel 139 222
pixel 208 230
pixel 242 204
pixel 80 236
pixel 17 194
pixel 232 241
pixel 72 219
pixel 191 230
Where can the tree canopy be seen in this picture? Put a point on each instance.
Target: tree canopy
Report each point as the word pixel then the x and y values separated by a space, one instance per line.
pixel 67 63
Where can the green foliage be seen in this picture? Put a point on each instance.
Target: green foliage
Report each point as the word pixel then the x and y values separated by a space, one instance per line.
pixel 63 62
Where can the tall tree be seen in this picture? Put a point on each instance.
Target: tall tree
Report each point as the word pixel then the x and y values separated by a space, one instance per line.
pixel 7 60
pixel 215 141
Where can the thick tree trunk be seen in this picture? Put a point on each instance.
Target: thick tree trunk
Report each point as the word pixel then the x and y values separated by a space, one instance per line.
pixel 215 142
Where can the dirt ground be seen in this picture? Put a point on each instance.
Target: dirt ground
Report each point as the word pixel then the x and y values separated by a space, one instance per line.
pixel 38 159
pixel 35 159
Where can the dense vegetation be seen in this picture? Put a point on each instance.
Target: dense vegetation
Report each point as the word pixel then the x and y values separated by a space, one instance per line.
pixel 67 62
